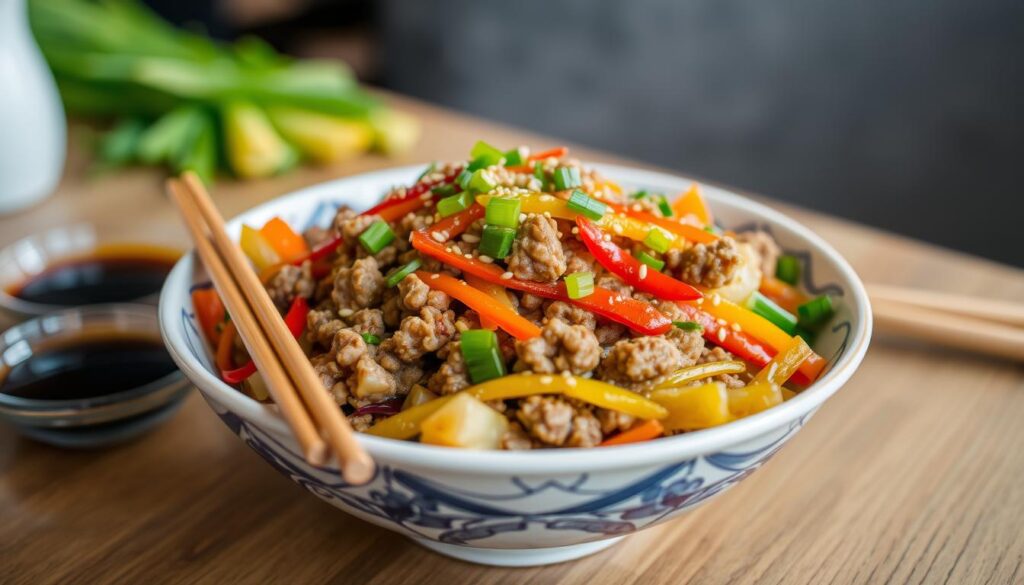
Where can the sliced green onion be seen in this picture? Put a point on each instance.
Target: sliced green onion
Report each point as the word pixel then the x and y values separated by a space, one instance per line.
pixel 496 241
pixel 538 171
pixel 481 182
pixel 486 153
pixel 503 212
pixel 649 260
pixel 370 338
pixel 482 355
pixel 815 311
pixel 641 194
pixel 454 204
pixel 567 178
pixel 430 168
pixel 664 206
pixel 657 240
pixel 765 307
pixel 579 284
pixel 808 336
pixel 787 269
pixel 445 190
pixel 688 325
pixel 515 157
pixel 399 274
pixel 464 177
pixel 586 205
pixel 377 236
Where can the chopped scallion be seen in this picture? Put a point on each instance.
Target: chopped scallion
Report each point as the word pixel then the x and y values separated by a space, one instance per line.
pixel 649 260
pixel 579 284
pixel 586 205
pixel 445 190
pixel 481 354
pixel 370 338
pixel 485 153
pixel 538 172
pixel 377 236
pixel 567 178
pixel 688 325
pixel 815 311
pixel 496 241
pixel 481 182
pixel 430 168
pixel 515 157
pixel 641 194
pixel 503 212
pixel 664 206
pixel 765 307
pixel 657 240
pixel 399 274
pixel 787 269
pixel 454 204
pixel 464 177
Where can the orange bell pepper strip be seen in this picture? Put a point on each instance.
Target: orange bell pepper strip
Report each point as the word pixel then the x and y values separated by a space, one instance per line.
pixel 485 305
pixel 209 312
pixel 557 152
pixel 683 231
pixel 692 203
pixel 289 245
pixel 225 346
pixel 645 431
pixel 494 291
pixel 778 371
pixel 782 294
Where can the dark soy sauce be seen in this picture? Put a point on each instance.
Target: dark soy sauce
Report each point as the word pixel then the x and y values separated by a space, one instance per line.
pixel 101 279
pixel 88 366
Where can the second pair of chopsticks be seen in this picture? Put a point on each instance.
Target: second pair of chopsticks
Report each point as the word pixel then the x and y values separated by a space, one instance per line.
pixel 316 421
pixel 980 325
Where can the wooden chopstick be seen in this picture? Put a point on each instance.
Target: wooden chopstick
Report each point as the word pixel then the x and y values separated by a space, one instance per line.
pixel 356 465
pixel 948 329
pixel 279 384
pixel 1005 312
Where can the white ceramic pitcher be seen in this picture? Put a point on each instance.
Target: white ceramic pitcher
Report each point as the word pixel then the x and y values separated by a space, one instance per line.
pixel 32 126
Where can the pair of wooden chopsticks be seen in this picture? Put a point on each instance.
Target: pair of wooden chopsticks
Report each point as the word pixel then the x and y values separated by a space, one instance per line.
pixel 317 422
pixel 980 325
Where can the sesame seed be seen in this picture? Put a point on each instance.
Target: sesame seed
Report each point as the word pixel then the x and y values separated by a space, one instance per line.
pixel 720 321
pixel 700 301
pixel 547 214
pixel 736 327
pixel 435 276
pixel 617 228
pixel 575 230
pixel 522 217
pixel 607 237
pixel 715 299
pixel 546 380
pixel 546 197
pixel 643 271
pixel 486 259
pixel 345 312
pixel 427 195
pixel 571 382
pixel 721 335
pixel 470 238
pixel 771 370
pixel 467 255
pixel 439 236
pixel 507 275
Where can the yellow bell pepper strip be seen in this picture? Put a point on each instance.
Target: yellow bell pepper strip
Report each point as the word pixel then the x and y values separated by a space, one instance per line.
pixel 696 372
pixel 629 269
pixel 692 203
pixel 209 312
pixel 406 424
pixel 289 245
pixel 637 315
pixel 645 431
pixel 496 292
pixel 694 407
pixel 683 231
pixel 504 316
pixel 258 249
pixel 754 325
pixel 610 397
pixel 785 363
pixel 753 399
pixel 782 294
pixel 417 396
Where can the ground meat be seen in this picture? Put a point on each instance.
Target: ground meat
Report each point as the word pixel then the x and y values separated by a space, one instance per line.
pixel 554 421
pixel 711 265
pixel 614 284
pixel 371 383
pixel 613 421
pixel 421 334
pixel 643 359
pixel 360 422
pixel 315 236
pixel 571 314
pixel 350 225
pixel 764 246
pixel 609 333
pixel 322 325
pixel 717 354
pixel 290 282
pixel 348 347
pixel 368 321
pixel 577 258
pixel 515 438
pixel 414 294
pixel 331 376
pixel 537 253
pixel 560 347
pixel 689 343
pixel 452 375
pixel 359 286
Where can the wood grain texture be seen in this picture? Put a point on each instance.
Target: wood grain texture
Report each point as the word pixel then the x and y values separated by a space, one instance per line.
pixel 911 474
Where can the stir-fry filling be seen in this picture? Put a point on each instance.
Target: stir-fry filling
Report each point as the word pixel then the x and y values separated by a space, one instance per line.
pixel 518 301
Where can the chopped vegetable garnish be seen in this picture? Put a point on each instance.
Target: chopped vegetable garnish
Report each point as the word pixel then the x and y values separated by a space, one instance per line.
pixel 503 212
pixel 693 407
pixel 649 260
pixel 567 178
pixel 515 157
pixel 579 284
pixel 481 182
pixel 780 317
pixel 787 269
pixel 485 153
pixel 464 178
pixel 688 325
pixel 482 355
pixel 591 208
pixel 370 338
pixel 486 306
pixel 815 311
pixel 377 236
pixel 454 204
pixel 664 207
pixel 400 273
pixel 496 241
pixel 538 172
pixel 641 194
pixel 692 203
pixel 445 190
pixel 289 245
pixel 657 240
pixel 430 168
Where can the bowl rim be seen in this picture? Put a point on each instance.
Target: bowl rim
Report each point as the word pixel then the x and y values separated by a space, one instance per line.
pixel 570 460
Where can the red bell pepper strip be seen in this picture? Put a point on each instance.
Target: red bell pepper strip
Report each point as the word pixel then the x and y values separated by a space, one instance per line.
pixel 454 225
pixel 637 315
pixel 629 269
pixel 414 192
pixel 557 152
pixel 683 230
pixel 294 319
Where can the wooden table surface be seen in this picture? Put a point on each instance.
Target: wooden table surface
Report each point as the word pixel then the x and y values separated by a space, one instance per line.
pixel 913 473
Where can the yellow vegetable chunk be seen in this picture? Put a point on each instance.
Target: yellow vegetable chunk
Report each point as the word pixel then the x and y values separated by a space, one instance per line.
pixel 322 137
pixel 406 424
pixel 464 422
pixel 257 248
pixel 417 396
pixel 753 399
pixel 254 148
pixel 693 407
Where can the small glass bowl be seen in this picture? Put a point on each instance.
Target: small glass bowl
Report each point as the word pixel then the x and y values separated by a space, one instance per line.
pixel 94 421
pixel 34 254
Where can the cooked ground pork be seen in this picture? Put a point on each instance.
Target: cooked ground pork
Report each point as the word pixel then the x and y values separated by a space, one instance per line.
pixel 571 314
pixel 560 347
pixel 359 286
pixel 537 252
pixel 718 354
pixel 554 421
pixel 711 265
pixel 451 376
pixel 290 282
pixel 764 245
pixel 421 334
pixel 642 359
pixel 414 294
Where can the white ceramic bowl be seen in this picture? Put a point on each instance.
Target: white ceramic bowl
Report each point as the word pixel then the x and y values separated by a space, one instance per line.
pixel 534 507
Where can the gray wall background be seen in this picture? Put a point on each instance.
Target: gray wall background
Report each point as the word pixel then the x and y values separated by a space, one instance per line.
pixel 901 114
